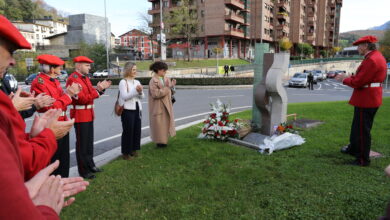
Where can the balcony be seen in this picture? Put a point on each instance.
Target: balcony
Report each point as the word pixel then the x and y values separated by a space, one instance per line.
pixel 281 3
pixel 311 21
pixel 235 3
pixel 332 4
pixel 310 40
pixel 282 15
pixel 235 18
pixel 311 3
pixel 154 10
pixel 310 14
pixel 235 32
pixel 154 24
pixel 339 2
pixel 310 33
pixel 282 27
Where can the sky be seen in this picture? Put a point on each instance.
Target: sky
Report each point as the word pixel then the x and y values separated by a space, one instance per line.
pixel 124 15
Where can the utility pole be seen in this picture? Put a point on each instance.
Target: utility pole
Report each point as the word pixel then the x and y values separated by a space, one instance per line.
pixel 162 35
pixel 105 21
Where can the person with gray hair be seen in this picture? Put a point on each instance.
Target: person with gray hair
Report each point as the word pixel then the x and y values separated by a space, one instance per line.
pixel 130 95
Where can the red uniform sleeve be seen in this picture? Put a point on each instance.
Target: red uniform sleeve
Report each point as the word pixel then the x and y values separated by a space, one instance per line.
pixel 15 202
pixel 363 76
pixel 84 97
pixel 61 102
pixel 37 152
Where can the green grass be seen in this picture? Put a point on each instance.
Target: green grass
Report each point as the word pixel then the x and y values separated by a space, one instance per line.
pixel 200 179
pixel 144 65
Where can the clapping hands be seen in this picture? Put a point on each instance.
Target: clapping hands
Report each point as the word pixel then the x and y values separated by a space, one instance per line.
pixel 102 85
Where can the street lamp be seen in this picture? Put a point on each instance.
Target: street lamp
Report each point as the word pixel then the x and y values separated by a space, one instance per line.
pixel 162 36
pixel 105 21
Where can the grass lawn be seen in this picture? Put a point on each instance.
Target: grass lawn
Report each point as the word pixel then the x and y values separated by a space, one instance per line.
pixel 200 179
pixel 144 65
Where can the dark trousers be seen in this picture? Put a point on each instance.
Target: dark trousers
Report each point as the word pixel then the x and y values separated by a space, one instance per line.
pixel 226 73
pixel 84 147
pixel 360 138
pixel 311 83
pixel 62 154
pixel 131 135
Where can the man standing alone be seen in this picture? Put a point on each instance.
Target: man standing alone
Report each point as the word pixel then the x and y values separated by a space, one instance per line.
pixel 366 97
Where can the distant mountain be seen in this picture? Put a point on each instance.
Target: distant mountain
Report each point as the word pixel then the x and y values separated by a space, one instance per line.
pixel 360 33
pixel 382 27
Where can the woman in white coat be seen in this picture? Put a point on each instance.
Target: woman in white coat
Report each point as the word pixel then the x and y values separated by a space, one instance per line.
pixel 131 93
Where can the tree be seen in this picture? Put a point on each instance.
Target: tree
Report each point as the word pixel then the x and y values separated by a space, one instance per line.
pixel 146 21
pixel 385 45
pixel 183 22
pixel 305 49
pixel 285 44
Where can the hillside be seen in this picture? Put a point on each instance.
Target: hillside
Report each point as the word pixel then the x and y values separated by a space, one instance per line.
pixel 382 27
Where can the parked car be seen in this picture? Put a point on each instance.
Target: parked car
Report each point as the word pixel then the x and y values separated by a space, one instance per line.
pixel 320 74
pixel 298 79
pixel 13 83
pixel 30 78
pixel 63 77
pixel 331 74
pixel 100 74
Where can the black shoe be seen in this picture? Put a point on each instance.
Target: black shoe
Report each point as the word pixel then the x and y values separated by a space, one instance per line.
pixel 358 162
pixel 161 145
pixel 96 170
pixel 88 176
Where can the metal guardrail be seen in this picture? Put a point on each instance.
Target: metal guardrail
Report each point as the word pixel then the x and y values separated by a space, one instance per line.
pixel 297 62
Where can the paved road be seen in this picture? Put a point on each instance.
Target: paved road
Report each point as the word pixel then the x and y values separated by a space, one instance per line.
pixel 192 105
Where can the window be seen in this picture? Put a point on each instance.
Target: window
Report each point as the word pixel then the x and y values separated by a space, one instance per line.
pixel 202 13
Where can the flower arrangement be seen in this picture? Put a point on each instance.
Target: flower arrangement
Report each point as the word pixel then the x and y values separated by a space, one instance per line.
pixel 217 124
pixel 284 127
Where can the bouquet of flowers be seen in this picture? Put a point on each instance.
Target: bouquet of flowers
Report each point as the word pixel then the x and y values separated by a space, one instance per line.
pixel 285 127
pixel 217 124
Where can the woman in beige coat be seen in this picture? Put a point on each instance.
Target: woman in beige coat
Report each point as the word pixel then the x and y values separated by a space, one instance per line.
pixel 161 89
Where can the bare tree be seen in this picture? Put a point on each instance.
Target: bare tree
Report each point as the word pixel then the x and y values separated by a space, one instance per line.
pixel 146 21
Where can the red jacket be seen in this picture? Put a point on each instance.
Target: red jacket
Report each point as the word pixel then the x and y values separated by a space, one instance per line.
pixel 52 87
pixel 85 98
pixel 15 201
pixel 35 152
pixel 372 70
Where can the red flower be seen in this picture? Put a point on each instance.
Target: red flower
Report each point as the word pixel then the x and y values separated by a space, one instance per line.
pixel 227 121
pixel 236 120
pixel 213 115
pixel 290 126
pixel 223 132
pixel 220 123
pixel 207 121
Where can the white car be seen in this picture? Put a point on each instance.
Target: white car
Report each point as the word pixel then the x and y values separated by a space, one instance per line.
pixel 299 79
pixel 100 74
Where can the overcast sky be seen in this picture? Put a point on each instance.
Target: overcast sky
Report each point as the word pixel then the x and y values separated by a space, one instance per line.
pixel 124 14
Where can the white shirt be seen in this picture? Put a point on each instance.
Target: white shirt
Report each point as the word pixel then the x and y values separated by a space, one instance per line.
pixel 129 95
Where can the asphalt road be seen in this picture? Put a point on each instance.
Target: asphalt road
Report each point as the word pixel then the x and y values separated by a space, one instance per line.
pixel 192 105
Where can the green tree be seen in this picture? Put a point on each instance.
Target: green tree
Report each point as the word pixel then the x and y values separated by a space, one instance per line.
pixel 182 22
pixel 305 49
pixel 385 45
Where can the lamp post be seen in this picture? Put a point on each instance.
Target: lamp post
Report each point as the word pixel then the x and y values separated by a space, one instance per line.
pixel 105 21
pixel 162 36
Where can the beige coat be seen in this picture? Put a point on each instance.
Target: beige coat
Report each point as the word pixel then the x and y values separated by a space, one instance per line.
pixel 161 119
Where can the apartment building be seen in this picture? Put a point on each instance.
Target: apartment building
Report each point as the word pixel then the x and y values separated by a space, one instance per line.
pixel 139 41
pixel 222 24
pixel 234 25
pixel 34 33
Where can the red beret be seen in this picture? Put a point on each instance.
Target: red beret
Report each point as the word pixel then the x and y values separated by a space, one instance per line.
pixel 50 60
pixel 366 39
pixel 9 32
pixel 82 59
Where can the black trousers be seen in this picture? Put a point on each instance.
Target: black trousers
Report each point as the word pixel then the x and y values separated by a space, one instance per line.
pixel 360 138
pixel 84 147
pixel 131 135
pixel 311 85
pixel 62 154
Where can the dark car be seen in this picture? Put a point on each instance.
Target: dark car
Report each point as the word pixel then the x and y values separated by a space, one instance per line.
pixel 30 78
pixel 11 81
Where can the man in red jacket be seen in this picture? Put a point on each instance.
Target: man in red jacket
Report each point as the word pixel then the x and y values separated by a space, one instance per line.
pixel 366 97
pixel 47 83
pixel 83 113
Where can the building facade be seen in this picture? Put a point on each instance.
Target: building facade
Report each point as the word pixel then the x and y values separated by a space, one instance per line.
pixel 140 43
pixel 234 25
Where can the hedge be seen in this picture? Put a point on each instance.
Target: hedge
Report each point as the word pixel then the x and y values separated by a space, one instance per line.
pixel 192 81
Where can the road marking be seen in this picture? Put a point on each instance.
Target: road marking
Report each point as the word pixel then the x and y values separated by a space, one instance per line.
pixel 211 97
pixel 146 127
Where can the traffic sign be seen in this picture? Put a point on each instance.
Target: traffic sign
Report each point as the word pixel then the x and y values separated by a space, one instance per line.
pixel 29 62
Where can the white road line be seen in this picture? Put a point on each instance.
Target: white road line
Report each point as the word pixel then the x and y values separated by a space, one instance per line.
pixel 146 127
pixel 211 97
pixel 319 87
